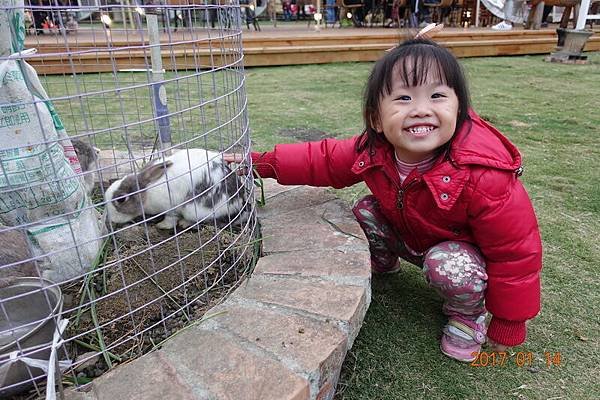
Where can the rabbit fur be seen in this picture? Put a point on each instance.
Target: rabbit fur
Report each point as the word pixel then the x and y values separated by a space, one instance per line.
pixel 189 186
pixel 87 156
pixel 15 247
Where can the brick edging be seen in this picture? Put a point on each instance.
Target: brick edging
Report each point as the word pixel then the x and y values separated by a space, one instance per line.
pixel 284 333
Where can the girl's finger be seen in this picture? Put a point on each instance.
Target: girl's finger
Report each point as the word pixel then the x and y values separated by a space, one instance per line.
pixel 233 158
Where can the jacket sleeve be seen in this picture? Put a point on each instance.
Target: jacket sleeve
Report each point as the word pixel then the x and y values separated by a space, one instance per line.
pixel 505 228
pixel 324 163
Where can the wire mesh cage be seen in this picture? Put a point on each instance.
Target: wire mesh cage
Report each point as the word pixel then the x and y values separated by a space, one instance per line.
pixel 120 223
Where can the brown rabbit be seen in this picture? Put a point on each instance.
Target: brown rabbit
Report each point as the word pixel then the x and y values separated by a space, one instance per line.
pixel 15 247
pixel 87 156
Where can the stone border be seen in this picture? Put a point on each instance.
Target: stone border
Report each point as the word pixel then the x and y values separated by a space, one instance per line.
pixel 284 333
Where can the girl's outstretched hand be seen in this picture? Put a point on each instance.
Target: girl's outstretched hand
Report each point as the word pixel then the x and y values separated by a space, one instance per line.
pixel 497 347
pixel 233 158
pixel 236 158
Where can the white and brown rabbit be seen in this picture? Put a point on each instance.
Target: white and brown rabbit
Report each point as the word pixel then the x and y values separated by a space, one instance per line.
pixel 190 185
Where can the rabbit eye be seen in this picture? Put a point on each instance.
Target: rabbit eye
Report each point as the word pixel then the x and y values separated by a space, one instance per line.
pixel 122 200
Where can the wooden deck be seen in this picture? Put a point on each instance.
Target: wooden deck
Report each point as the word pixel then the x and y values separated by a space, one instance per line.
pixel 288 44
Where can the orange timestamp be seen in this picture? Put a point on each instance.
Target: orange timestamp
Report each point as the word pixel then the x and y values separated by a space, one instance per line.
pixel 520 359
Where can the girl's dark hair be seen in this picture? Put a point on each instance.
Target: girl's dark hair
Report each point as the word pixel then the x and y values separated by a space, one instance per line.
pixel 412 62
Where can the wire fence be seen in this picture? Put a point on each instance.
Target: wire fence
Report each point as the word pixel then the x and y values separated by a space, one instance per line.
pixel 120 223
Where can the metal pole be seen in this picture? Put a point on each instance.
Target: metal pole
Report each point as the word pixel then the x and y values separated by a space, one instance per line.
pixel 159 92
pixel 129 15
pixel 477 13
pixel 318 17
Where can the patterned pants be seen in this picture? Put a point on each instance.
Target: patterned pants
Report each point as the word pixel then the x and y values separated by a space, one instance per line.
pixel 456 270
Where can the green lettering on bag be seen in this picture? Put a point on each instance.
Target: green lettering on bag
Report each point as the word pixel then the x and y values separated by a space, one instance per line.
pixel 55 118
pixel 18 39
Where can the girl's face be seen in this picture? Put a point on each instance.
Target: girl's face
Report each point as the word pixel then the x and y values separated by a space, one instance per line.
pixel 417 120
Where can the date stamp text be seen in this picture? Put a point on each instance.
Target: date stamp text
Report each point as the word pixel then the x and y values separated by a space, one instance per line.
pixel 520 359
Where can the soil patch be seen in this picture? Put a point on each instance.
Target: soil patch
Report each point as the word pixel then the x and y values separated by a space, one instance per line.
pixel 305 134
pixel 152 285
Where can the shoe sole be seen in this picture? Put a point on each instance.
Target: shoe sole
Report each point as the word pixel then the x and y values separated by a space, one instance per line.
pixel 457 359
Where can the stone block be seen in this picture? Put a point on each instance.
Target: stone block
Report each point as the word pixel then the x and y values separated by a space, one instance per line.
pixel 282 199
pixel 228 370
pixel 334 264
pixel 308 233
pixel 151 377
pixel 314 348
pixel 345 304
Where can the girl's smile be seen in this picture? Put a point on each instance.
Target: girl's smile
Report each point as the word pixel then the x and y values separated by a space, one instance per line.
pixel 420 130
pixel 417 120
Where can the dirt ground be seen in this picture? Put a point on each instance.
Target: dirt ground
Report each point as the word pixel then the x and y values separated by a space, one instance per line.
pixel 304 134
pixel 142 286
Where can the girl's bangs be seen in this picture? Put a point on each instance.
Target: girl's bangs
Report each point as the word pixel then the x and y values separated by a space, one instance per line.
pixel 419 66
pixel 417 71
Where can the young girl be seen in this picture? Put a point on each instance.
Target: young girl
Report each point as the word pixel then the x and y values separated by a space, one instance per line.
pixel 446 195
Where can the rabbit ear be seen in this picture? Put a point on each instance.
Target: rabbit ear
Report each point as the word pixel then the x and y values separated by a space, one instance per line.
pixel 152 172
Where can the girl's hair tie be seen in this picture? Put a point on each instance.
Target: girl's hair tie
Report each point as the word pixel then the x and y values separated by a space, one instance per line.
pixel 426 33
pixel 429 31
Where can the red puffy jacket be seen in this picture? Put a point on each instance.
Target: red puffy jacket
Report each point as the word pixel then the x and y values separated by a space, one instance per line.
pixel 476 197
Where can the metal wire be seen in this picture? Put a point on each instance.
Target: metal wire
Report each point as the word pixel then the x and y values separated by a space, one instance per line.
pixel 135 85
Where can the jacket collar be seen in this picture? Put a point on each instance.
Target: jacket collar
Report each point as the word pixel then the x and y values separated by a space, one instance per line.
pixel 479 143
pixel 476 144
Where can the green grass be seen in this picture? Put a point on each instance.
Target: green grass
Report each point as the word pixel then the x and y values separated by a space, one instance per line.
pixel 116 110
pixel 552 112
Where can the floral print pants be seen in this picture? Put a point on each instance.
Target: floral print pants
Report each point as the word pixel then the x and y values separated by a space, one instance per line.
pixel 456 270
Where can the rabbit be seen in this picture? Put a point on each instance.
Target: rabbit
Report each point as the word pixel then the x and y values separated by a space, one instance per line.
pixel 196 174
pixel 87 156
pixel 15 247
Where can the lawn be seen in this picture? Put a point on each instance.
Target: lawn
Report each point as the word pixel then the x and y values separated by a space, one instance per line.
pixel 551 112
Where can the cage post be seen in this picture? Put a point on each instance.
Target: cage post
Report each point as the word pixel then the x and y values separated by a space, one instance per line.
pixel 159 93
pixel 318 17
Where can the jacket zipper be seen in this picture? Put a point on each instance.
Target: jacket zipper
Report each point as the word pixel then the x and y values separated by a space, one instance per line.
pixel 401 191
pixel 400 206
pixel 395 178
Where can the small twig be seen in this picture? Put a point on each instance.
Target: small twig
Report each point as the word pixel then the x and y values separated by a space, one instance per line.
pixel 337 228
pixel 101 344
pixel 94 348
pixel 255 241
pixel 283 192
pixel 572 218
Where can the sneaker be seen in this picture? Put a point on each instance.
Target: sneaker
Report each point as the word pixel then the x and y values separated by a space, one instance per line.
pixel 462 338
pixel 502 26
